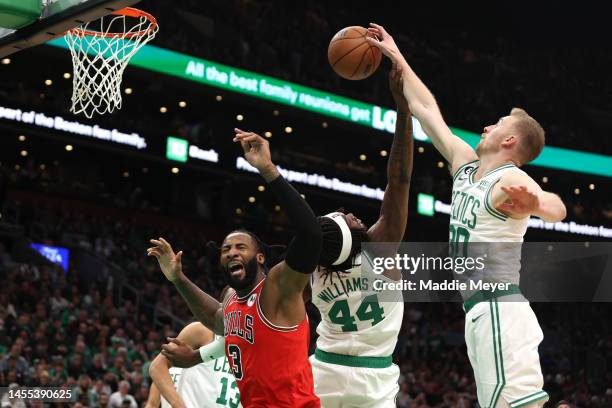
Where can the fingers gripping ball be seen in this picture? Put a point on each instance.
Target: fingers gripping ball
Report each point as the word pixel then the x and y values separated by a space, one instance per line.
pixel 351 56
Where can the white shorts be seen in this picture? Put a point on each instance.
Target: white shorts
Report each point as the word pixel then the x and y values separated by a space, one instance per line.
pixel 341 386
pixel 502 338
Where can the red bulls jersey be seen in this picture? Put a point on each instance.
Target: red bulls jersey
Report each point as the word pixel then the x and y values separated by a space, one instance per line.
pixel 270 363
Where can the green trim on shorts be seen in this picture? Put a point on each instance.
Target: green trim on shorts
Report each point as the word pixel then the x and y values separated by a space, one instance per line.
pixel 497 349
pixel 483 295
pixel 536 396
pixel 353 361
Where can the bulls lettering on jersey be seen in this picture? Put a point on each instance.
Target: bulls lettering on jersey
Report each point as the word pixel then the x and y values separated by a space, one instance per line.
pixel 238 325
pixel 270 362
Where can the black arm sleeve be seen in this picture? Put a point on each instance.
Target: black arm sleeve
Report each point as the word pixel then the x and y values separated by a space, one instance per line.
pixel 304 250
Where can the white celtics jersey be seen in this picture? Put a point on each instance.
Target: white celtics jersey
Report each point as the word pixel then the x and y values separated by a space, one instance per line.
pixel 474 220
pixel 355 319
pixel 209 384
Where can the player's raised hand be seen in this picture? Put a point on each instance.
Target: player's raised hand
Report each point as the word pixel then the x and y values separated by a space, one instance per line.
pixel 380 38
pixel 396 84
pixel 169 262
pixel 256 152
pixel 523 201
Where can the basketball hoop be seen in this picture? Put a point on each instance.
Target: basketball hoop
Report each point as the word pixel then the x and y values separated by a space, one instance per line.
pixel 101 50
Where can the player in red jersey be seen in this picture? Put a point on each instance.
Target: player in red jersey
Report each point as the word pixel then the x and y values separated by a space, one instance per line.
pixel 265 324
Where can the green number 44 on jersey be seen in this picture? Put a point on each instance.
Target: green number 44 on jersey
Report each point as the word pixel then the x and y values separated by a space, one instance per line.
pixel 369 309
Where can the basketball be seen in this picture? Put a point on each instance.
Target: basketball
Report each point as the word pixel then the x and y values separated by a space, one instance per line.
pixel 350 55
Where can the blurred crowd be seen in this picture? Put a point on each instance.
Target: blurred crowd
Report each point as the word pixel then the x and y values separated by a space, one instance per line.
pixel 95 327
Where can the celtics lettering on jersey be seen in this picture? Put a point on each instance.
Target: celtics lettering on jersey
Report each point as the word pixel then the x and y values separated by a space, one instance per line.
pixel 463 208
pixel 474 219
pixel 464 211
pixel 174 376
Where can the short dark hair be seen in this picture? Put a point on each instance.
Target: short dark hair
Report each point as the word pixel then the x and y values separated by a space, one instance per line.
pixel 259 244
pixel 273 253
pixel 214 250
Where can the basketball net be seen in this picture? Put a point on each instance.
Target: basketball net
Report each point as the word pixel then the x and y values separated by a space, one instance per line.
pixel 101 50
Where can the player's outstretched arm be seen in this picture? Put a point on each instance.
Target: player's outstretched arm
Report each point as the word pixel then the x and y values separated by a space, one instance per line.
pixel 203 306
pixel 551 208
pixel 519 196
pixel 391 224
pixel 282 296
pixel 422 103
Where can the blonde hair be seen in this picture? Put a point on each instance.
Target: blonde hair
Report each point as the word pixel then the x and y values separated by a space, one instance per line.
pixel 531 141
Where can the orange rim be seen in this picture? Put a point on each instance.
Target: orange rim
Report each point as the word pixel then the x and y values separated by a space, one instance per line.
pixel 128 12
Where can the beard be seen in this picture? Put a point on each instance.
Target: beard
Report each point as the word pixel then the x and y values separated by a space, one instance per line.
pixel 250 272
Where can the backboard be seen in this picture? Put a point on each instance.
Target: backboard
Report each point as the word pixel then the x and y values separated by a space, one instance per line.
pixel 56 17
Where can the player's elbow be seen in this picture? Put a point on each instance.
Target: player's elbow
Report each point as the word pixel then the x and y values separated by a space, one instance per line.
pixel 315 232
pixel 314 237
pixel 317 239
pixel 557 210
pixel 556 215
pixel 561 213
pixel 311 231
pixel 304 251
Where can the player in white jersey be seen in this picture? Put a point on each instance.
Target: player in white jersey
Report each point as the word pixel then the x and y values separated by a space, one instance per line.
pixel 352 365
pixel 207 384
pixel 492 202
